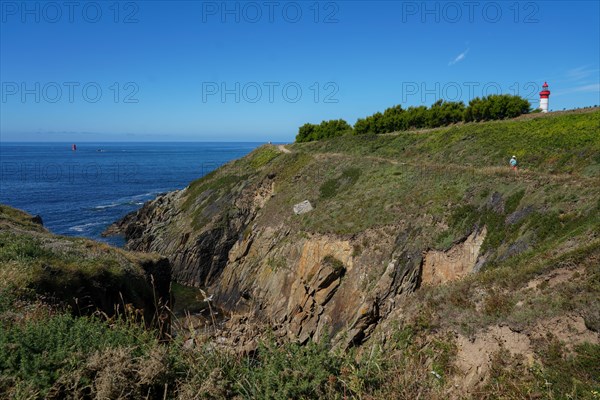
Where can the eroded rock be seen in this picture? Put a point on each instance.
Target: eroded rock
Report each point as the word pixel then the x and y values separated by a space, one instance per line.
pixel 444 266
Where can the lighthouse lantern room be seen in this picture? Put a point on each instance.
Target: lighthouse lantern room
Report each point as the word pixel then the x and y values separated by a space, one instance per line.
pixel 544 97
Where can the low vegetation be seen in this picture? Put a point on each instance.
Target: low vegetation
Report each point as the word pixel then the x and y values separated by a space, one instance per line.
pixel 53 355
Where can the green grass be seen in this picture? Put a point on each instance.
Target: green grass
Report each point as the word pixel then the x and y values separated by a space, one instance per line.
pixel 83 274
pixel 263 156
pixel 292 372
pixel 563 375
pixel 554 143
pixel 14 217
pixel 345 181
pixel 513 201
pixel 577 374
pixel 32 253
pixel 58 356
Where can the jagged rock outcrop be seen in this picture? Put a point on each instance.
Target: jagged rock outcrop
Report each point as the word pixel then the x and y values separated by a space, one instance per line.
pixel 197 256
pixel 304 286
pixel 228 234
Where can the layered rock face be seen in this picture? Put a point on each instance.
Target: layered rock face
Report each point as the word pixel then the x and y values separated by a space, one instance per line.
pixel 303 285
pixel 198 256
pixel 444 266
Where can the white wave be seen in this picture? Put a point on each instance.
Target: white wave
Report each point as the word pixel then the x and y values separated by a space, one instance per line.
pixel 84 227
pixel 106 206
pixel 137 200
pixel 145 195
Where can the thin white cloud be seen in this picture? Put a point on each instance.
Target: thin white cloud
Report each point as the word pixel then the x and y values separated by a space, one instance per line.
pixel 581 73
pixel 593 88
pixel 459 57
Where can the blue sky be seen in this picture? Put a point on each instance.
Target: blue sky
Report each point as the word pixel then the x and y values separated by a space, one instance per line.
pixel 255 71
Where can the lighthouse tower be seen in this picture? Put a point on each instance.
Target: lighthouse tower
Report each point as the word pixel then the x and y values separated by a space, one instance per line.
pixel 544 97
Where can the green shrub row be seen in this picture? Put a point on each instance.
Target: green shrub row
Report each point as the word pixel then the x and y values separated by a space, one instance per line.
pixel 326 129
pixel 441 113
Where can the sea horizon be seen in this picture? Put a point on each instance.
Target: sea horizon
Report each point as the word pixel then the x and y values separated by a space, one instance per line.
pixel 2 142
pixel 82 192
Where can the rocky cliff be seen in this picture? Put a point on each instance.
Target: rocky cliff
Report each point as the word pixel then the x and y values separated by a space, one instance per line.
pixel 391 214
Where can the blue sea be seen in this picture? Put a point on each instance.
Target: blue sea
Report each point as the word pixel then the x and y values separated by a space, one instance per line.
pixel 81 192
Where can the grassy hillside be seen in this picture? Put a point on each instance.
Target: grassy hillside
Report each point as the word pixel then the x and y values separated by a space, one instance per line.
pixel 542 225
pixel 77 272
pixel 443 181
pixel 563 143
pixel 531 313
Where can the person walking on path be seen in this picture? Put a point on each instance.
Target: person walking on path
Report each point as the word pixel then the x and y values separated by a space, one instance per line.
pixel 514 164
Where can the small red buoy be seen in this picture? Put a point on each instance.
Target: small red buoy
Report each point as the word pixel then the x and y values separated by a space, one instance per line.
pixel 74 147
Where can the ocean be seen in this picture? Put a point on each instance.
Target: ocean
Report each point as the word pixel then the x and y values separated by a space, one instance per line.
pixel 81 192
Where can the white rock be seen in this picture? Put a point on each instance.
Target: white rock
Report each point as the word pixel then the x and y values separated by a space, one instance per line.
pixel 303 207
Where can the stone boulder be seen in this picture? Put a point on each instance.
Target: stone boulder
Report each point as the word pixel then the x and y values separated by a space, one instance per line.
pixel 303 207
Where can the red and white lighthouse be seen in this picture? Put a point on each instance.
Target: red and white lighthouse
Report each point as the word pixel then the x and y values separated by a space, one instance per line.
pixel 544 97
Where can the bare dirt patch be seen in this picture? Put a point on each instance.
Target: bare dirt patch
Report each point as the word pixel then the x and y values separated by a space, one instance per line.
pixel 554 278
pixel 475 354
pixel 569 329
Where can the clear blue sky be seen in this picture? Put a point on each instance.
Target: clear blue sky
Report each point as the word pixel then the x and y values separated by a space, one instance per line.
pixel 162 67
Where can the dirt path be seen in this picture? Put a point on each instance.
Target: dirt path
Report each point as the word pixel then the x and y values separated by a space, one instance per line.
pixel 524 174
pixel 283 149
